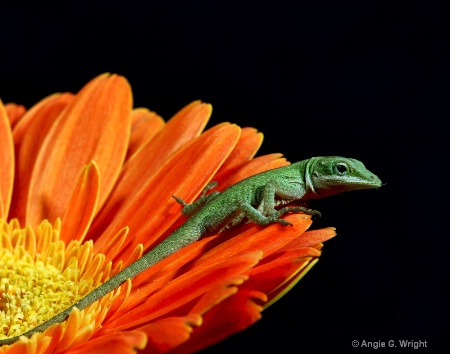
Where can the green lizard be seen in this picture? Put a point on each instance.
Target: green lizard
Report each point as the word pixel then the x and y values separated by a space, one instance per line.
pixel 255 198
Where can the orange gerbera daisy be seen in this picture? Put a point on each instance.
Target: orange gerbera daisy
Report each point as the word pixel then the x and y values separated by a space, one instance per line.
pixel 86 185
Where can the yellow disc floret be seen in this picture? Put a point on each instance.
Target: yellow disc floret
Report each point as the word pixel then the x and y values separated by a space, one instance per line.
pixel 40 276
pixel 31 293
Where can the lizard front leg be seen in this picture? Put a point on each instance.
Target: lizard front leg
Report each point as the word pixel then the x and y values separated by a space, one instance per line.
pixel 260 219
pixel 287 191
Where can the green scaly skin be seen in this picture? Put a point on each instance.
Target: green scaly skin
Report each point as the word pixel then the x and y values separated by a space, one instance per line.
pixel 254 198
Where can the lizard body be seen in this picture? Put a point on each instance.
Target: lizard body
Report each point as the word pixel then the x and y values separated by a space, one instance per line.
pixel 254 198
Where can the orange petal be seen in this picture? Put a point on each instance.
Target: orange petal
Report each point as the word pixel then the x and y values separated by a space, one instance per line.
pixel 1 207
pixel 29 134
pixel 232 315
pixel 123 293
pixel 69 334
pixel 82 205
pixel 7 163
pixel 247 146
pixel 54 333
pixel 181 129
pixel 268 276
pixel 180 292
pixel 216 294
pixel 94 126
pixel 115 244
pixel 83 254
pixel 304 267
pixel 5 242
pixel 14 112
pixel 113 343
pixel 144 126
pixel 169 332
pixel 311 238
pixel 151 210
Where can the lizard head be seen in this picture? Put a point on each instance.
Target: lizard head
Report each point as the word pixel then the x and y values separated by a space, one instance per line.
pixel 327 175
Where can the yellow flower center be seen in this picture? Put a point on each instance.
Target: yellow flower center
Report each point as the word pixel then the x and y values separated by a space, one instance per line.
pixel 39 275
pixel 31 293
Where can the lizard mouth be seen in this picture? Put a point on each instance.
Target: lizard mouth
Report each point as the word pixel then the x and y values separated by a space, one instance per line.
pixel 371 182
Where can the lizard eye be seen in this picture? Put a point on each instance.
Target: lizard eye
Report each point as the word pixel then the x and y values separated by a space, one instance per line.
pixel 341 168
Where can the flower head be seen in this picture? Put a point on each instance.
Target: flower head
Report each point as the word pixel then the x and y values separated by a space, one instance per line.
pixel 86 185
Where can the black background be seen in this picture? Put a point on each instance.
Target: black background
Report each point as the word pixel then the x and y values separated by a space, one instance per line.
pixel 363 79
